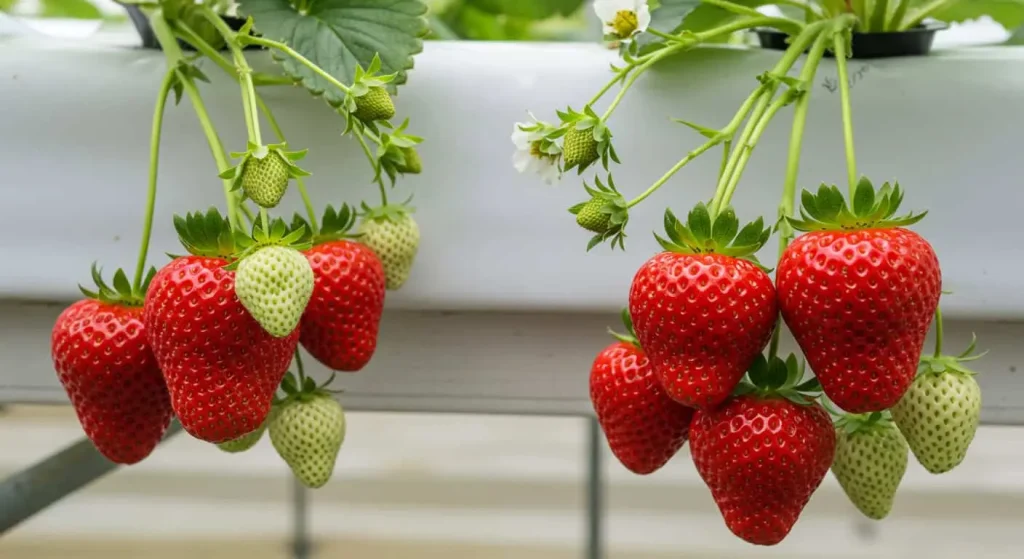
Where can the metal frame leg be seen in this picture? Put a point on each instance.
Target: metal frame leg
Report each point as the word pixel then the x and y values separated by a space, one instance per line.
pixel 595 492
pixel 33 489
pixel 301 541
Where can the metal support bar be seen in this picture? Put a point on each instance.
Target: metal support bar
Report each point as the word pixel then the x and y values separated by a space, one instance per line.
pixel 25 493
pixel 301 544
pixel 595 492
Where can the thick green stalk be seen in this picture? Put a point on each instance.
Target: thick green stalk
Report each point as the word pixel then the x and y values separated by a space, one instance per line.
pixel 252 119
pixel 938 331
pixel 374 166
pixel 917 16
pixel 898 15
pixel 796 139
pixel 879 16
pixel 187 34
pixel 154 163
pixel 267 43
pixel 172 52
pixel 792 54
pixel 839 46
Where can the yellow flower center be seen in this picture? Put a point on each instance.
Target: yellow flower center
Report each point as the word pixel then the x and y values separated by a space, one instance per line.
pixel 624 23
pixel 538 153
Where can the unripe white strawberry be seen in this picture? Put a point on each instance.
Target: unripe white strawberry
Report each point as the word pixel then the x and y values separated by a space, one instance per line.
pixel 870 461
pixel 939 416
pixel 307 431
pixel 393 235
pixel 274 284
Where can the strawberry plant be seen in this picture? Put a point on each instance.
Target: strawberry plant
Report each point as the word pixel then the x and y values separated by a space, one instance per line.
pixel 209 337
pixel 854 284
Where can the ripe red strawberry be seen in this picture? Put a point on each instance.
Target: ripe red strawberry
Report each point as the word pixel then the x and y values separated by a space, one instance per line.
pixel 644 427
pixel 704 309
pixel 103 359
pixel 339 327
pixel 221 367
pixel 859 292
pixel 764 452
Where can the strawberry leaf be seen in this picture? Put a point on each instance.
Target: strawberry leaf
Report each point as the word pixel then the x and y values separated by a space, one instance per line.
pixel 340 35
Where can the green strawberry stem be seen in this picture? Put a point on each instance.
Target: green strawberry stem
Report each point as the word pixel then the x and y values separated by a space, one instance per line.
pixel 154 163
pixel 688 40
pixel 764 110
pixel 374 164
pixel 247 39
pixel 252 121
pixel 796 138
pixel 187 34
pixel 299 367
pixel 172 52
pixel 839 46
pixel 725 136
pixel 938 331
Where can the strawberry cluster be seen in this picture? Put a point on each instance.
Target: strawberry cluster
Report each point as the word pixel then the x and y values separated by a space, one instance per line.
pixel 858 291
pixel 209 338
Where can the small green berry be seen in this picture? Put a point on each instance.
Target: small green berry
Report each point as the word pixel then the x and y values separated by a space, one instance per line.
pixel 579 148
pixel 591 218
pixel 375 105
pixel 265 180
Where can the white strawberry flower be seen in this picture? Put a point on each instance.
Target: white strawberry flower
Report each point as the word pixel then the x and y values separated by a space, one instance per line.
pixel 530 157
pixel 623 19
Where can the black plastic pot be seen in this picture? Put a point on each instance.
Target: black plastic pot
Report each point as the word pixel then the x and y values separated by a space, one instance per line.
pixel 916 41
pixel 149 41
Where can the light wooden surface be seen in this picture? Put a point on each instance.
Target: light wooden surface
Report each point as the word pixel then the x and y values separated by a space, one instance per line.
pixel 418 486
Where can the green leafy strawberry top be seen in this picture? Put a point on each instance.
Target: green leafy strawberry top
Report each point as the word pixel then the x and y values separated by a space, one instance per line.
pixel 850 423
pixel 253 151
pixel 393 151
pixel 210 234
pixel 389 212
pixel 777 378
pixel 334 225
pixel 944 364
pixel 630 336
pixel 610 209
pixel 701 235
pixel 121 292
pixel 871 209
pixel 303 388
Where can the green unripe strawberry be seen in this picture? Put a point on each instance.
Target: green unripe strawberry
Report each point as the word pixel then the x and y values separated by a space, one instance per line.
pixel 375 105
pixel 307 433
pixel 395 238
pixel 413 165
pixel 871 458
pixel 579 148
pixel 265 180
pixel 245 442
pixel 274 284
pixel 939 416
pixel 591 218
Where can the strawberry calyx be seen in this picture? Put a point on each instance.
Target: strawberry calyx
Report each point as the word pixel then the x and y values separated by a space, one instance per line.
pixel 630 336
pixel 951 364
pixel 304 389
pixel 388 212
pixel 260 152
pixel 206 234
pixel 774 377
pixel 583 150
pixel 396 152
pixel 702 235
pixel 606 214
pixel 278 233
pixel 334 225
pixel 120 292
pixel 870 209
pixel 850 423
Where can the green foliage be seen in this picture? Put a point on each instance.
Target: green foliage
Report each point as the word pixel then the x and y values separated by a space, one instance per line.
pixel 1008 13
pixel 341 35
pixel 509 20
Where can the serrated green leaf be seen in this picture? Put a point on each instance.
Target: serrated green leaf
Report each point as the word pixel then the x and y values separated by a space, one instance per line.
pixel 750 235
pixel 340 35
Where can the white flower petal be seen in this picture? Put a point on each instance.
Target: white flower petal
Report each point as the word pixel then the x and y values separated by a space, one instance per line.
pixel 549 173
pixel 606 9
pixel 643 17
pixel 522 160
pixel 521 138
